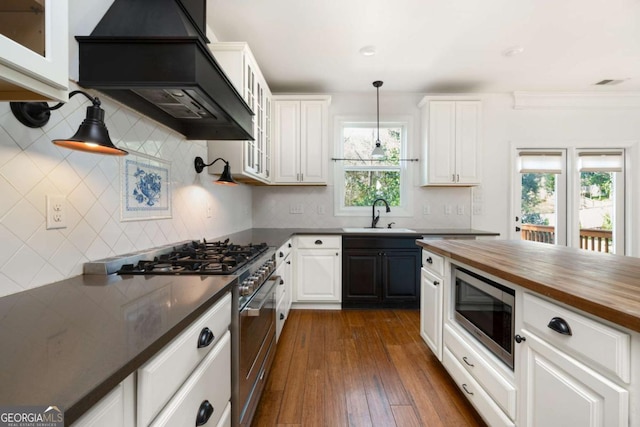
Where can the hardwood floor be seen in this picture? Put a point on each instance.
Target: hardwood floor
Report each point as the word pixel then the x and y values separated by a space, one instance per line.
pixel 359 368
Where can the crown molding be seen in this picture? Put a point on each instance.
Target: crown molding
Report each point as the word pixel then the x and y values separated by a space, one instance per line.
pixel 576 100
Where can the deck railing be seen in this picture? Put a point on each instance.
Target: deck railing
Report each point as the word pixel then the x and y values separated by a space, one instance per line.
pixel 590 238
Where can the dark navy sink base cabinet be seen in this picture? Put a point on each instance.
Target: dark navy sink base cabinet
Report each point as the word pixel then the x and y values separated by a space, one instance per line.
pixel 380 272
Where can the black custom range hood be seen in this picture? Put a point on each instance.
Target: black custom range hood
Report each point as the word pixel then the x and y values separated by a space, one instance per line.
pixel 152 56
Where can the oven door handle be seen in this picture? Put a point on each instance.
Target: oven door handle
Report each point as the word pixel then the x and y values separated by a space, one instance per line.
pixel 260 299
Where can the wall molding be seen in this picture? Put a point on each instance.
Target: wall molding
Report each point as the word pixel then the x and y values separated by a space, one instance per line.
pixel 576 100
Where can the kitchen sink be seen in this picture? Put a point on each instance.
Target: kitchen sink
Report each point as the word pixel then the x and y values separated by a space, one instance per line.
pixel 378 230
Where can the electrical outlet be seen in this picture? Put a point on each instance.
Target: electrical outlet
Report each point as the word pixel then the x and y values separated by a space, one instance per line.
pixel 296 209
pixel 447 209
pixel 208 210
pixel 426 210
pixel 477 209
pixel 460 209
pixel 321 210
pixel 56 212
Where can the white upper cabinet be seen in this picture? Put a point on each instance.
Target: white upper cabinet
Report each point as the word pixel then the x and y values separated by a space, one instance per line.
pixel 451 140
pixel 301 139
pixel 250 161
pixel 34 50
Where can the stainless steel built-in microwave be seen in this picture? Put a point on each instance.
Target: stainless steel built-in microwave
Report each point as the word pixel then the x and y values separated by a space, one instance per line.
pixel 486 309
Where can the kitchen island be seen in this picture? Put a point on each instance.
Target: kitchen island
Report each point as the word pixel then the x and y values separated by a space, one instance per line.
pixel 566 347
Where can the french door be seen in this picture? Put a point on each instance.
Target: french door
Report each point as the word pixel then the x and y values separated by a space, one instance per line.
pixel 570 196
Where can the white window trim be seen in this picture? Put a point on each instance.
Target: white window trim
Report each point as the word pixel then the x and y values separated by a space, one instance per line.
pixel 406 207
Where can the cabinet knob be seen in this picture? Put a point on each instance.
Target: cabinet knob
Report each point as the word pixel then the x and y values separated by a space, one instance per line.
pixel 520 338
pixel 318 242
pixel 281 282
pixel 281 316
pixel 560 325
pixel 288 262
pixel 281 254
pixel 429 260
pixel 436 283
pixel 206 337
pixel 204 413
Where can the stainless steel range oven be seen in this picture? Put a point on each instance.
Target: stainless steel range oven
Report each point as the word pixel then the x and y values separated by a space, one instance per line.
pixel 486 309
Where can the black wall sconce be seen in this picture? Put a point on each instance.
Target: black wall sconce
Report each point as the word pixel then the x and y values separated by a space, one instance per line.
pixel 92 135
pixel 225 178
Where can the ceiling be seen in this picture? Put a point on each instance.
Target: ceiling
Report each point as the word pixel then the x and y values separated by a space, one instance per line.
pixel 437 46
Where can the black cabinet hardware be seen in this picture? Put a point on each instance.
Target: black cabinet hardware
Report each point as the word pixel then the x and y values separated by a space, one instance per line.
pixel 464 386
pixel 429 260
pixel 204 413
pixel 206 337
pixel 281 316
pixel 520 338
pixel 464 358
pixel 560 325
pixel 318 242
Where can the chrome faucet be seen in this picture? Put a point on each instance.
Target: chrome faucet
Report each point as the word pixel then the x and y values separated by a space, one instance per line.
pixel 374 218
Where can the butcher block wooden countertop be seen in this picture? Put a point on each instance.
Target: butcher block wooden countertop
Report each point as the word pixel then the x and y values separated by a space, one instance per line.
pixel 605 285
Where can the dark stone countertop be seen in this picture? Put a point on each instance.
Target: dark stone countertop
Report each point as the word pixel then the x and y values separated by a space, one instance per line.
pixel 71 342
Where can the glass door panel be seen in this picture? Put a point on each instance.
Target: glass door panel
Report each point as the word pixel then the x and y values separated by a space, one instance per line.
pixel 541 197
pixel 23 21
pixel 539 212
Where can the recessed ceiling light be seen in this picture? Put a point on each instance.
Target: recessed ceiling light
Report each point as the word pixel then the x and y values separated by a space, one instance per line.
pixel 368 51
pixel 512 51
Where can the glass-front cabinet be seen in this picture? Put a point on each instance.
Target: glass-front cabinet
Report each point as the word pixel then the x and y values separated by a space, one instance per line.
pixel 34 51
pixel 250 161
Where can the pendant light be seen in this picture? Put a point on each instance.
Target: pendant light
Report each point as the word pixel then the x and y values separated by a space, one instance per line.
pixel 378 151
pixel 92 135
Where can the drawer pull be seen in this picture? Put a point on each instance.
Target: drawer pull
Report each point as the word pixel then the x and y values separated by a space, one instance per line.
pixel 206 337
pixel 281 254
pixel 281 316
pixel 318 242
pixel 464 386
pixel 560 325
pixel 464 358
pixel 429 260
pixel 204 413
pixel 288 262
pixel 281 282
pixel 436 283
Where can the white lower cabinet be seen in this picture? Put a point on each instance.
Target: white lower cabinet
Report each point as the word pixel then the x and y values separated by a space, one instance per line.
pixel 116 409
pixel 558 391
pixel 318 269
pixel 164 374
pixel 575 370
pixel 431 311
pixel 498 387
pixel 203 398
pixel 491 413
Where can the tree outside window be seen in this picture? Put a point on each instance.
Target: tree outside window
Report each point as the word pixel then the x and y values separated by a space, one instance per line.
pixel 366 180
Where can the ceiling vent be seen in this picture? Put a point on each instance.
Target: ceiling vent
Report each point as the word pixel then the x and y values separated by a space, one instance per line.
pixel 609 82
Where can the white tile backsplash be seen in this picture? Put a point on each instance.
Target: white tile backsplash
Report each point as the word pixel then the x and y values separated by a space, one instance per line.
pixel 275 202
pixel 31 167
